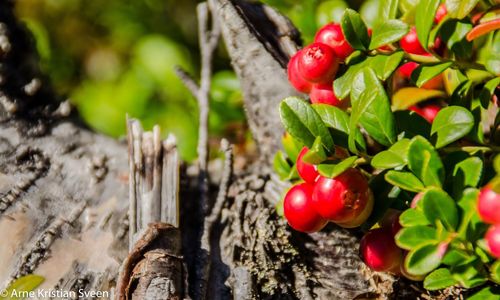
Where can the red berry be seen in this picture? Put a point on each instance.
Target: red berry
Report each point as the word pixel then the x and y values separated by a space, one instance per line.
pixel 380 252
pixel 317 63
pixel 299 211
pixel 410 43
pixel 440 13
pixel 406 69
pixel 488 205
pixel 308 172
pixel 391 221
pixel 332 35
pixel 436 83
pixel 297 81
pixel 428 111
pixel 493 240
pixel 323 93
pixel 345 199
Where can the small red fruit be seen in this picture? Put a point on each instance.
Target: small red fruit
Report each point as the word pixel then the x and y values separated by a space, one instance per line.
pixel 440 13
pixel 317 63
pixel 298 209
pixel 294 77
pixel 410 43
pixel 488 205
pixel 493 240
pixel 406 69
pixel 323 93
pixel 391 221
pixel 345 199
pixel 380 252
pixel 308 172
pixel 428 112
pixel 332 35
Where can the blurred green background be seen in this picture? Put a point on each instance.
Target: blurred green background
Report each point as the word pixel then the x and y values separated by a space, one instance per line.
pixel 116 57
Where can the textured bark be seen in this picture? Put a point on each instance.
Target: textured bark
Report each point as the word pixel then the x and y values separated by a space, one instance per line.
pixel 64 190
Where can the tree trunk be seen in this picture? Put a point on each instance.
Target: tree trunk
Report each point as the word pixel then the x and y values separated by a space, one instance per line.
pixel 64 189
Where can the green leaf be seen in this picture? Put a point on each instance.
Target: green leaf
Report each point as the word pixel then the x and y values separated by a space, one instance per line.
pixel 342 84
pixel 281 165
pixel 388 31
pixel 438 206
pixel 24 284
pixel 416 236
pixel 384 65
pixel 316 154
pixel 409 96
pixel 487 293
pixel 333 170
pixel 411 124
pixel 488 91
pixel 424 19
pixel 372 110
pixel 355 30
pixel 394 157
pixel 470 274
pixel 423 260
pixel 454 34
pixel 451 124
pixel 459 9
pixel 424 73
pixel 388 9
pixel 425 162
pixel 496 163
pixel 303 123
pixel 405 180
pixel 495 271
pixel 413 217
pixel 468 172
pixel 439 279
pixel 337 119
pixel 291 146
pixel 455 257
pixel 471 227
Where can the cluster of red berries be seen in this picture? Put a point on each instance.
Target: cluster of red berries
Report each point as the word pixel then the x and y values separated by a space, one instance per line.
pixel 312 69
pixel 488 206
pixel 410 44
pixel 345 200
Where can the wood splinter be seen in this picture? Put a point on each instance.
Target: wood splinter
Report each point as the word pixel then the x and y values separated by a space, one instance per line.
pixel 154 268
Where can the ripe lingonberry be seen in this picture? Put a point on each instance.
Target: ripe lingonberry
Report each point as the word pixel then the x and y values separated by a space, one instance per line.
pixel 332 35
pixel 428 111
pixel 297 81
pixel 345 199
pixel 317 63
pixel 299 211
pixel 493 240
pixel 308 172
pixel 406 69
pixel 410 43
pixel 380 252
pixel 440 13
pixel 488 205
pixel 391 221
pixel 323 93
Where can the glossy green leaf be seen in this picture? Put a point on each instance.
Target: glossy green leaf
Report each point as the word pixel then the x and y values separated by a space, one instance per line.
pixel 303 123
pixel 455 257
pixel 291 146
pixel 454 34
pixel 459 9
pixel 416 236
pixel 409 96
pixel 372 110
pixel 470 274
pixel 424 19
pixel 425 162
pixel 384 65
pixel 471 226
pixel 424 73
pixel 332 170
pixel 438 206
pixel 388 9
pixel 281 165
pixel 488 91
pixel 355 30
pixel 388 31
pixel 337 119
pixel 413 217
pixel 395 156
pixel 439 279
pixel 342 84
pixel 316 153
pixel 451 124
pixel 468 172
pixel 487 293
pixel 423 260
pixel 405 180
pixel 23 284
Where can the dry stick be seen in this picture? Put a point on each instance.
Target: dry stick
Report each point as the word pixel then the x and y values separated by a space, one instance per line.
pixel 208 40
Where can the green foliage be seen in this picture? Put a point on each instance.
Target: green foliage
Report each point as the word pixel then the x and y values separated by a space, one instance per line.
pixel 444 161
pixel 20 286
